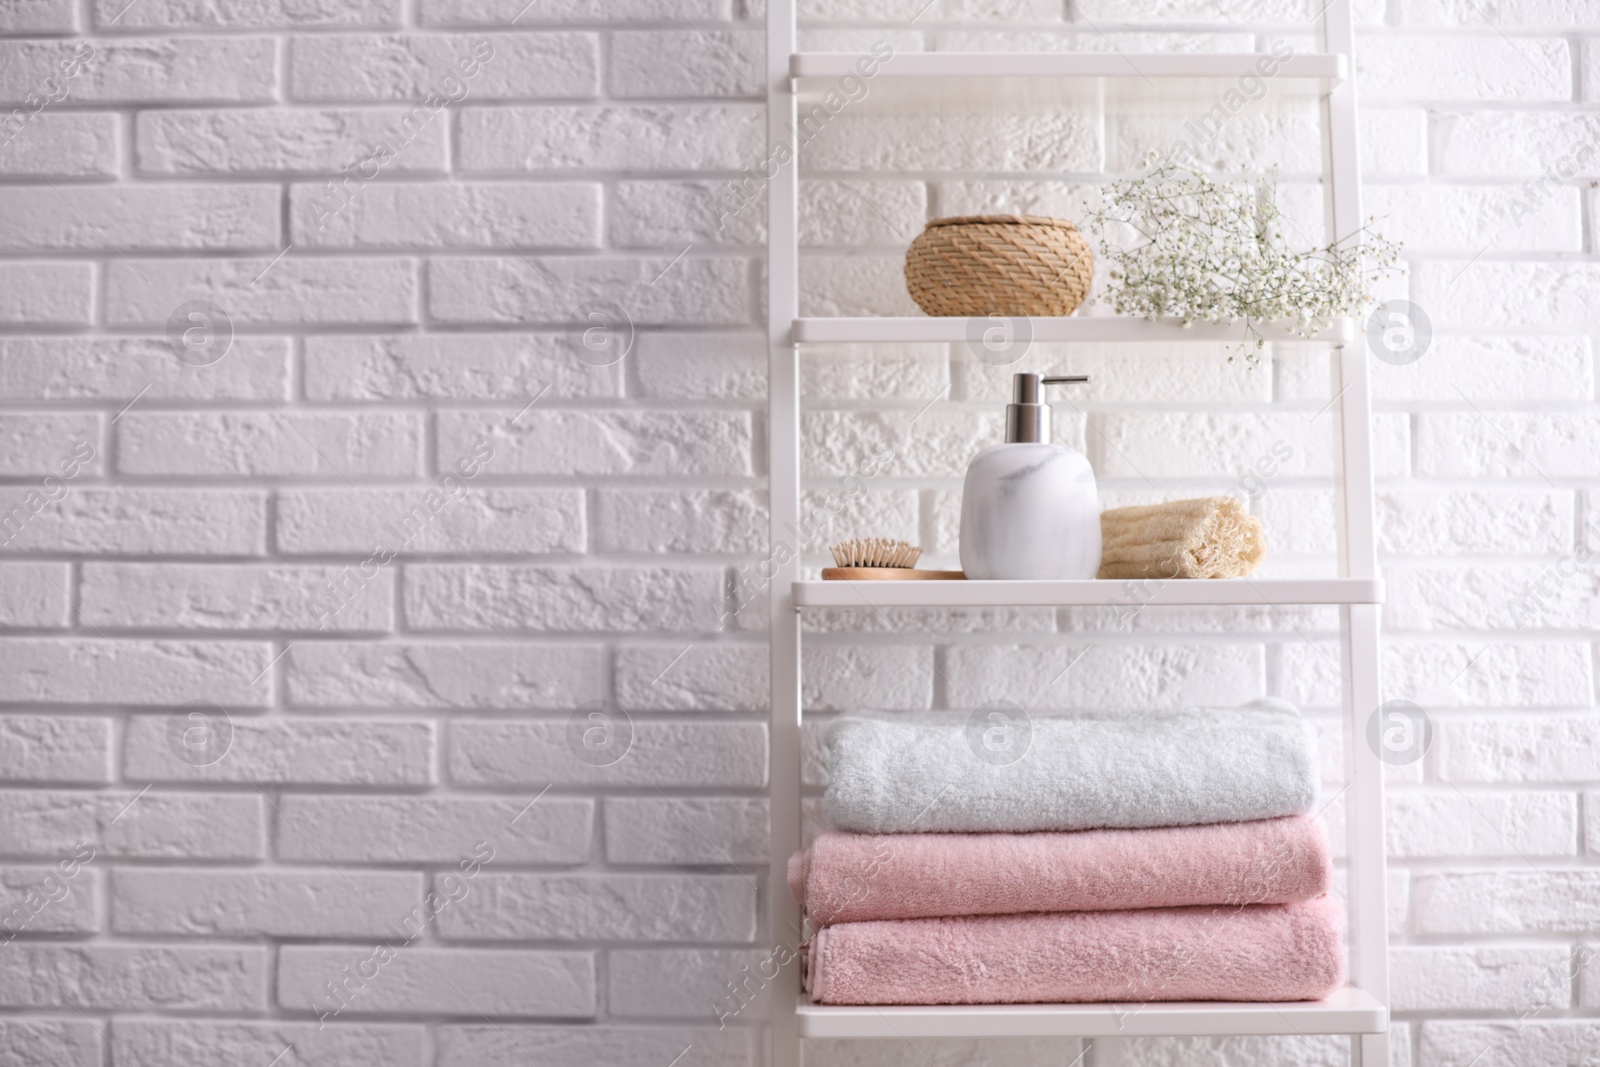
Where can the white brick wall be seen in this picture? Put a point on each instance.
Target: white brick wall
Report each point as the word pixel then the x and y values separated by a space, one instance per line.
pixel 408 660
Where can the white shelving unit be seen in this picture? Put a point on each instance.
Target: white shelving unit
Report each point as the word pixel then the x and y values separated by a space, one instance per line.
pixel 925 82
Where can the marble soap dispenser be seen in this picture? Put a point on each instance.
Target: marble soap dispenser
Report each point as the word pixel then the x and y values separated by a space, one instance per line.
pixel 1029 508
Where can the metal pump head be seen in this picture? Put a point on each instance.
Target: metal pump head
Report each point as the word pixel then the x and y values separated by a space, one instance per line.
pixel 1028 416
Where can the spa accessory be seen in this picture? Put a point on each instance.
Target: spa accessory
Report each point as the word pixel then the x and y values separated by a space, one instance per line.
pixel 875 552
pixel 859 877
pixel 1029 508
pixel 880 559
pixel 1265 952
pixel 979 265
pixel 1212 537
pixel 930 772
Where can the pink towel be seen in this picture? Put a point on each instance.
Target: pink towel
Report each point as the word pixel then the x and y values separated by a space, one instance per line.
pixel 856 877
pixel 1262 952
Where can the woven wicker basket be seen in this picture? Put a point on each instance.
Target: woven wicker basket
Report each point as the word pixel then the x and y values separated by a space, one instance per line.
pixel 999 265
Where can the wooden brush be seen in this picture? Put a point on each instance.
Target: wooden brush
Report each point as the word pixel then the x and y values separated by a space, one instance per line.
pixel 879 559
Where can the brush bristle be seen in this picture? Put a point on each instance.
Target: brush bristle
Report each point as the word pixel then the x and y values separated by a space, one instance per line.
pixel 875 552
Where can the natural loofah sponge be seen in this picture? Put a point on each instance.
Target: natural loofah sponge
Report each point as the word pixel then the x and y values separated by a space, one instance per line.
pixel 1212 537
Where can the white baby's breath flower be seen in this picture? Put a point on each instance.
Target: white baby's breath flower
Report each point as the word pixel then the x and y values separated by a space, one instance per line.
pixel 1182 246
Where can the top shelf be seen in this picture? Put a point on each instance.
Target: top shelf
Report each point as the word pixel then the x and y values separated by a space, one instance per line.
pixel 920 82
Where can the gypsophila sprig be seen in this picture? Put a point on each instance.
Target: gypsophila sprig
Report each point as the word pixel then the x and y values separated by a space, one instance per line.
pixel 1201 251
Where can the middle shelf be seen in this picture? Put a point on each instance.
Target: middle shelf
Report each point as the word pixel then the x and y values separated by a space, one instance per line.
pixel 1219 592
pixel 1084 329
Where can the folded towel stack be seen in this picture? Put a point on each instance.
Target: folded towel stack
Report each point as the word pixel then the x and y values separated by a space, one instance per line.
pixel 1213 537
pixel 1137 857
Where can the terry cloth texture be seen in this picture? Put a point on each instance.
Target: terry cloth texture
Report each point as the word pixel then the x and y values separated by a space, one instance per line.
pixel 1264 952
pixel 1212 537
pixel 859 877
pixel 946 772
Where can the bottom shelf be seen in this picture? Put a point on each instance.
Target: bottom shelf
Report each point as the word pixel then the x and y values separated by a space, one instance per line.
pixel 1349 1011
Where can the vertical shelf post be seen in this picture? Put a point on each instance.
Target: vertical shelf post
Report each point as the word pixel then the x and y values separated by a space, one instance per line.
pixel 1366 890
pixel 783 495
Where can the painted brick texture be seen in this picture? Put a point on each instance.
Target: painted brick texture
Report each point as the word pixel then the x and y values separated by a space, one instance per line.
pixel 389 671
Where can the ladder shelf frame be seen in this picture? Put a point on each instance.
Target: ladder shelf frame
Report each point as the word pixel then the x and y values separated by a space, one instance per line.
pixel 1360 1010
